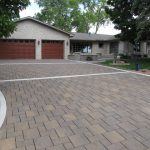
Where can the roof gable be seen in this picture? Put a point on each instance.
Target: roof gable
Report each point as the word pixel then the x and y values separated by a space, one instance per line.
pixel 44 24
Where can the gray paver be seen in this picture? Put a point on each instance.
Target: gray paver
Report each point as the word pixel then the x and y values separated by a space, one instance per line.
pixel 78 140
pixel 42 142
pixel 133 144
pixel 31 133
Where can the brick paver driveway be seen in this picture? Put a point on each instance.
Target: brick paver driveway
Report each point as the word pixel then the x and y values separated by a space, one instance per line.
pixel 88 112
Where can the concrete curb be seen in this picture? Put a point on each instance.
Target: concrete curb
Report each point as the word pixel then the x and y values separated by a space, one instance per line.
pixel 3 109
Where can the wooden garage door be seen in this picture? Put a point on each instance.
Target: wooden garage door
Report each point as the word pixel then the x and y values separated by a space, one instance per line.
pixel 52 49
pixel 17 49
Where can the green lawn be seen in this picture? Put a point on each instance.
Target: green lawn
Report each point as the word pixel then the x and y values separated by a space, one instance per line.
pixel 144 64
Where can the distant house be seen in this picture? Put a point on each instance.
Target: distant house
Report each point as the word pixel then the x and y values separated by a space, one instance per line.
pixel 34 39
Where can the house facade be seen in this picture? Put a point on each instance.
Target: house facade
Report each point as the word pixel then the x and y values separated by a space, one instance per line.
pixel 34 39
pixel 103 45
pixel 94 44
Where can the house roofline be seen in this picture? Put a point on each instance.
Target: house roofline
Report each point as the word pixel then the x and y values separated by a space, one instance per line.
pixel 111 40
pixel 42 23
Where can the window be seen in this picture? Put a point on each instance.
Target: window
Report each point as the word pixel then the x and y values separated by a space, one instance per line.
pixel 114 47
pixel 136 47
pixel 83 47
pixel 100 45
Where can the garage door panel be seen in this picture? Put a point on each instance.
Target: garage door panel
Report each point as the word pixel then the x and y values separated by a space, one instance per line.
pixel 52 49
pixel 17 49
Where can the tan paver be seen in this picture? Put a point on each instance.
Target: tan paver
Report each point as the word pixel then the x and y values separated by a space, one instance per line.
pixel 61 132
pixel 96 129
pixel 49 107
pixel 7 144
pixel 21 126
pixel 51 124
pixel 113 137
pixel 69 117
pixel 30 113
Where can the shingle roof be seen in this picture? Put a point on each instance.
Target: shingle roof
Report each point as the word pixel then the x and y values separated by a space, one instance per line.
pixel 92 37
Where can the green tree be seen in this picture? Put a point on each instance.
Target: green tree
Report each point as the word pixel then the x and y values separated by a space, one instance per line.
pixel 55 12
pixel 132 17
pixel 142 10
pixel 67 15
pixel 92 14
pixel 9 10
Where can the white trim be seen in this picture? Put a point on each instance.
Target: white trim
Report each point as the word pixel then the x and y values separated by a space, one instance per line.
pixel 3 108
pixel 61 77
pixel 142 74
pixel 100 65
pixel 2 64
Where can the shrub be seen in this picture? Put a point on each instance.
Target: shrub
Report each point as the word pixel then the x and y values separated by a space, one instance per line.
pixel 123 56
pixel 89 58
pixel 145 55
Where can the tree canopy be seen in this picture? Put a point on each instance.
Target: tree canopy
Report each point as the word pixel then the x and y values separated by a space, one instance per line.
pixel 132 17
pixel 142 8
pixel 9 10
pixel 79 15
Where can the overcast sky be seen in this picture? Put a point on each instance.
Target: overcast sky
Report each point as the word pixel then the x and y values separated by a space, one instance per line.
pixel 33 8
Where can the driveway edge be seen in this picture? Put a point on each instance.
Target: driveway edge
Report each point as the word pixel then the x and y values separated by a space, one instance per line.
pixel 129 71
pixel 3 108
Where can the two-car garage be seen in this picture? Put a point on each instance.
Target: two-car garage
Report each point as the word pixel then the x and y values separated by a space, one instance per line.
pixel 35 40
pixel 25 49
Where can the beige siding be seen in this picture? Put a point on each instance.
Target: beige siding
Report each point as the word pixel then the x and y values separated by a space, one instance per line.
pixel 31 30
pixel 148 49
pixel 121 47
pixel 125 47
pixel 104 50
pixel 143 48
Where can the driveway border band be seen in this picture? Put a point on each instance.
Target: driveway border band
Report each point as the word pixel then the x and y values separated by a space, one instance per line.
pixel 3 108
pixel 3 64
pixel 142 74
pixel 61 77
